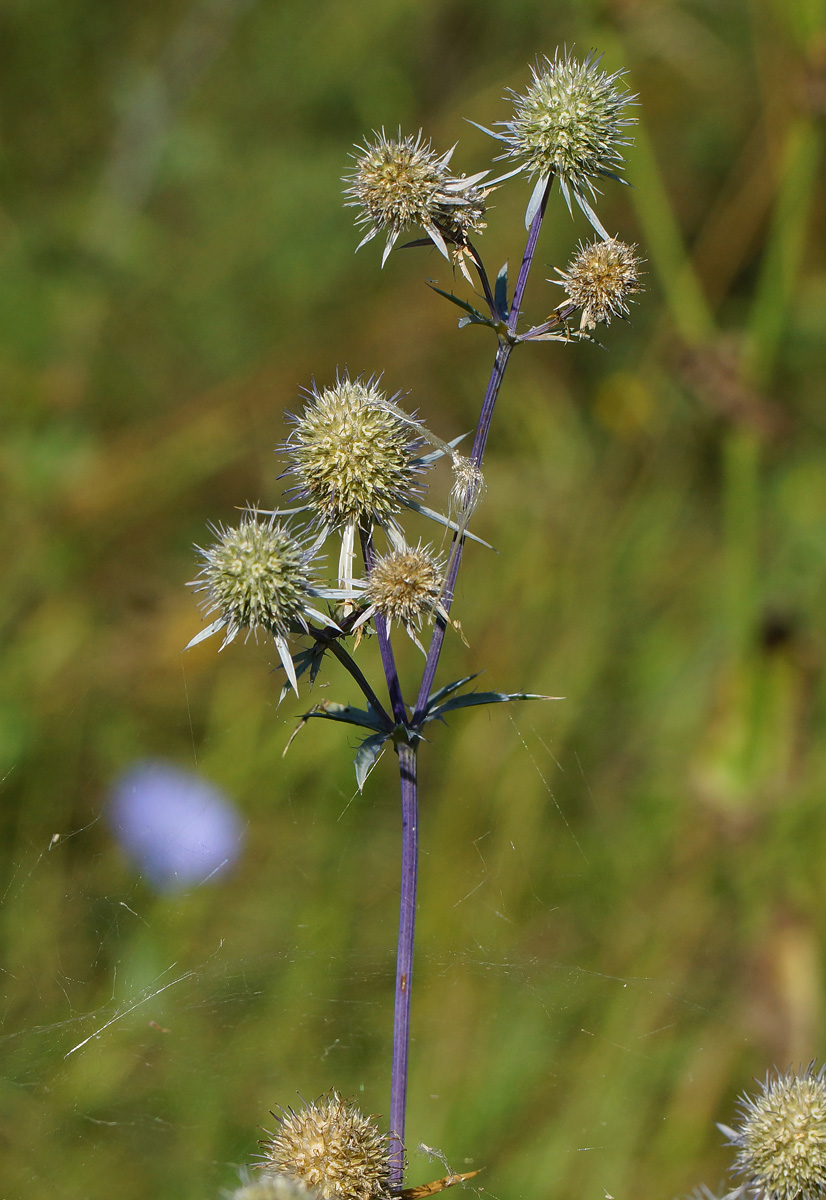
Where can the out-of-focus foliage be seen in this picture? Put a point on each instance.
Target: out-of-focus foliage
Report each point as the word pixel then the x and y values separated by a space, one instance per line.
pixel 623 897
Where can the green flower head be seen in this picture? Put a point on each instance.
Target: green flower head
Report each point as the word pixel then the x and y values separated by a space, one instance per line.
pixel 781 1137
pixel 568 123
pixel 256 576
pixel 353 457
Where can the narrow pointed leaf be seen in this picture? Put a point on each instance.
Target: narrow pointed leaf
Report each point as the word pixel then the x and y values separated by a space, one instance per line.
pixel 536 200
pixel 442 520
pixel 425 460
pixel 307 660
pixel 329 710
pixel 283 649
pixel 205 633
pixel 366 756
pixel 474 699
pixel 438 240
pixel 437 697
pixel 500 137
pixel 592 216
pixel 474 316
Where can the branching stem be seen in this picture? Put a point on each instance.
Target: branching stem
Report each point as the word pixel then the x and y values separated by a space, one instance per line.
pixel 407 750
pixel 503 353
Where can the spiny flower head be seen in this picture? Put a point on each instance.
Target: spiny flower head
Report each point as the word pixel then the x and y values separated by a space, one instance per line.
pixel 255 576
pixel 599 279
pixel 402 182
pixel 569 123
pixel 333 1149
pixel 405 585
pixel 352 456
pixel 781 1138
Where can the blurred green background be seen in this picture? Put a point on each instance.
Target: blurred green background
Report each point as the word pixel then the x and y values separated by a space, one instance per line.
pixel 623 894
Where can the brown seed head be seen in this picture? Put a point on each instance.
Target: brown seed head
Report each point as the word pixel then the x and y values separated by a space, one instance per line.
pixel 332 1148
pixel 600 278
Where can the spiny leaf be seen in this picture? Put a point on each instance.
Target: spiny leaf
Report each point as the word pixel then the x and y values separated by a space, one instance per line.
pixel 366 756
pixel 424 511
pixel 329 710
pixel 309 659
pixel 436 697
pixel 474 699
pixel 474 316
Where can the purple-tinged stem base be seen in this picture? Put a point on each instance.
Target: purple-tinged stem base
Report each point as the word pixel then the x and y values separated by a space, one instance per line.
pixel 404 961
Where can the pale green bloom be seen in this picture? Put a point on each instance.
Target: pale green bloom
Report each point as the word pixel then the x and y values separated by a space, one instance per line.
pixel 256 576
pixel 568 124
pixel 781 1137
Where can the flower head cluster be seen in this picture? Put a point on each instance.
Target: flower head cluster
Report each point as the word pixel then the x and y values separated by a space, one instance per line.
pixel 569 124
pixel 781 1138
pixel 405 586
pixel 332 1148
pixel 402 182
pixel 256 576
pixel 599 279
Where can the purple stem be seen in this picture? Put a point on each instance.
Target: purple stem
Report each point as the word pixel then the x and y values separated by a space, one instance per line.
pixel 407 752
pixel 503 353
pixel 404 961
pixel 388 660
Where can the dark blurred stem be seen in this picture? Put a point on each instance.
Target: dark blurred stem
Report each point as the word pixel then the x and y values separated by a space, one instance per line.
pixel 404 961
pixel 483 279
pixel 388 660
pixel 349 665
pixel 503 353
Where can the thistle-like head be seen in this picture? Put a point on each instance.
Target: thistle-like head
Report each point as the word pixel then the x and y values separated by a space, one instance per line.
pixel 569 123
pixel 781 1137
pixel 254 576
pixel 405 586
pixel 599 280
pixel 333 1148
pixel 352 455
pixel 402 182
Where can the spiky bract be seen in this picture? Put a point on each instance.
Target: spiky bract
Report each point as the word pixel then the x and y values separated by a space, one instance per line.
pixel 569 122
pixel 599 279
pixel 402 182
pixel 255 577
pixel 781 1138
pixel 405 585
pixel 332 1148
pixel 351 455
